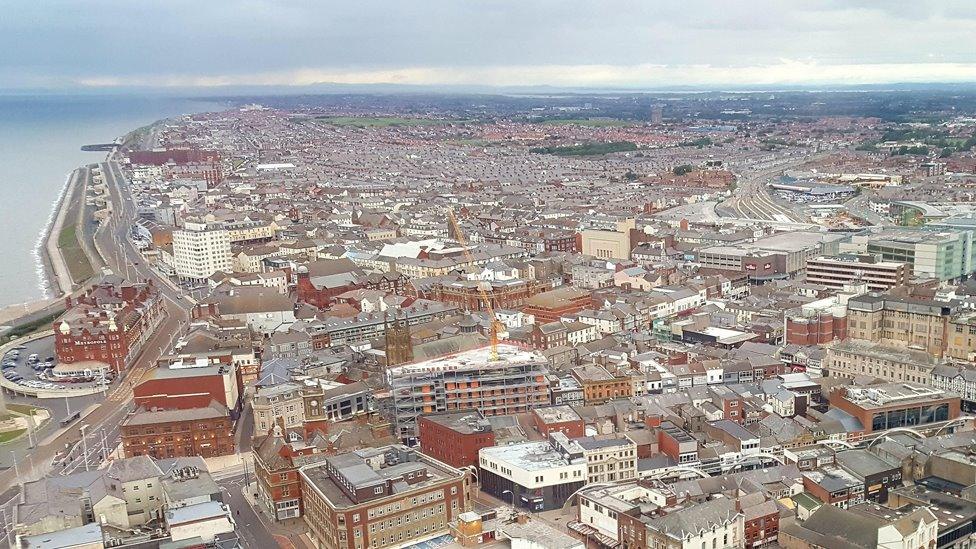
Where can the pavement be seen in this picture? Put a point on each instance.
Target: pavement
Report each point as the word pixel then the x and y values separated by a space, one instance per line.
pixel 108 415
pixel 255 528
pixel 62 277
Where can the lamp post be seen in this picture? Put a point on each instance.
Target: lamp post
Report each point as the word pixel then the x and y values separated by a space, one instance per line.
pixel 513 499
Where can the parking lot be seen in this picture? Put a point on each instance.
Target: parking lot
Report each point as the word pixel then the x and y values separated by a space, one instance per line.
pixel 30 366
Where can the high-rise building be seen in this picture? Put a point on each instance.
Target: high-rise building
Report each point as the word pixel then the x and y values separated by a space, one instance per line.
pixel 657 114
pixel 515 383
pixel 200 250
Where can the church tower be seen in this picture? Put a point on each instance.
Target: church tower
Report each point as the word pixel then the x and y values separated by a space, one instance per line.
pixel 399 348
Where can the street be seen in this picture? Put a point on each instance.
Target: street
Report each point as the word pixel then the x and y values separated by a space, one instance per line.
pixel 251 527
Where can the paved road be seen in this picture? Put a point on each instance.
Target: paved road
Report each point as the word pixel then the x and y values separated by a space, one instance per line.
pixel 251 526
pixel 112 410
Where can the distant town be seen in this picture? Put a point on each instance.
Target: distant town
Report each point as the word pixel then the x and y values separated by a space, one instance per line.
pixel 628 321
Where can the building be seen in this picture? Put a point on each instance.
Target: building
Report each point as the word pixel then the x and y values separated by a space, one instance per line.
pixel 901 321
pixel 958 379
pixel 713 523
pixel 455 438
pixel 200 250
pixel 942 255
pixel 467 294
pixel 838 271
pixel 280 404
pixel 600 386
pixel 468 381
pixel 381 497
pixel 609 458
pixel 177 384
pixel 126 502
pixel 108 323
pixel 609 244
pixel 864 525
pixel 855 358
pixel 276 463
pixel 538 476
pixel 558 419
pixel 206 432
pixel 553 305
pixel 891 405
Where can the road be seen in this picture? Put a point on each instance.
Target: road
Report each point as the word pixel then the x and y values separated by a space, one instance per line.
pixel 124 259
pixel 251 527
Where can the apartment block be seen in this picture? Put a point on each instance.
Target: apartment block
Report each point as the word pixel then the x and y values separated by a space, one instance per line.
pixel 841 270
pixel 200 250
pixel 468 381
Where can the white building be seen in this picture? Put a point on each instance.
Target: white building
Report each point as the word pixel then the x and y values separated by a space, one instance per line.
pixel 200 250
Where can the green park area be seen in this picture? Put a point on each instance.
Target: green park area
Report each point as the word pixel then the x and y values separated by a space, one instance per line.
pixel 587 149
pixel 586 122
pixel 384 121
pixel 74 256
pixel 13 424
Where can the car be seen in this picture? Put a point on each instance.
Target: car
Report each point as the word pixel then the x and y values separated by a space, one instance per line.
pixel 49 359
pixel 34 357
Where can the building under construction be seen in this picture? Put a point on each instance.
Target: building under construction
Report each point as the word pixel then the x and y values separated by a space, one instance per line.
pixel 513 384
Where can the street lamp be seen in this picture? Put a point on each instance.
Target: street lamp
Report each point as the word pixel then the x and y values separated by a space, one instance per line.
pixel 513 499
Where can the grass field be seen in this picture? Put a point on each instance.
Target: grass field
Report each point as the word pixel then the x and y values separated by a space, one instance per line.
pixel 10 435
pixel 587 149
pixel 20 408
pixel 74 256
pixel 382 121
pixel 588 122
pixel 41 324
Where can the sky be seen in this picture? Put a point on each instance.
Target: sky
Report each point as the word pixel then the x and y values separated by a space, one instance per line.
pixel 108 44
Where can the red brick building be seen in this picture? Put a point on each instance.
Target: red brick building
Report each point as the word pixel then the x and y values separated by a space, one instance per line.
pixel 390 496
pixel 562 419
pixel 108 323
pixel 465 294
pixel 319 282
pixel 554 304
pixel 822 327
pixel 454 438
pixel 161 434
pixel 180 387
pixel 276 463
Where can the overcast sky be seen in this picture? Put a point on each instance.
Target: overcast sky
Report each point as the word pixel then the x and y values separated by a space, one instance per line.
pixel 598 43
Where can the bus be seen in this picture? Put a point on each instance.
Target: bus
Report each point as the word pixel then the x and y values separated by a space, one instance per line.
pixel 67 421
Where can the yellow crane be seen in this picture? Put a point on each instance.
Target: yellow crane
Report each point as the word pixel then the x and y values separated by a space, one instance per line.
pixel 485 298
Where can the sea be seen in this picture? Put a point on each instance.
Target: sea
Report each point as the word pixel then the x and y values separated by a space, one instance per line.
pixel 40 144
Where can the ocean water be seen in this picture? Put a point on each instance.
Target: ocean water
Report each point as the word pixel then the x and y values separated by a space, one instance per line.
pixel 40 144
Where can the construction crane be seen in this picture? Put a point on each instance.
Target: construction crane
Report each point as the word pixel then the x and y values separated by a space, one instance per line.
pixel 493 330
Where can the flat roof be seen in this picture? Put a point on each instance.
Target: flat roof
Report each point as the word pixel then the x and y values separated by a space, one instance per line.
pixel 474 359
pixel 528 456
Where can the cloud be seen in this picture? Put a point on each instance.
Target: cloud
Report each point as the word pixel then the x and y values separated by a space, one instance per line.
pixel 585 42
pixel 785 72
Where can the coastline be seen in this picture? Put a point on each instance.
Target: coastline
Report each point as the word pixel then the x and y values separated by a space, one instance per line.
pixel 43 265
